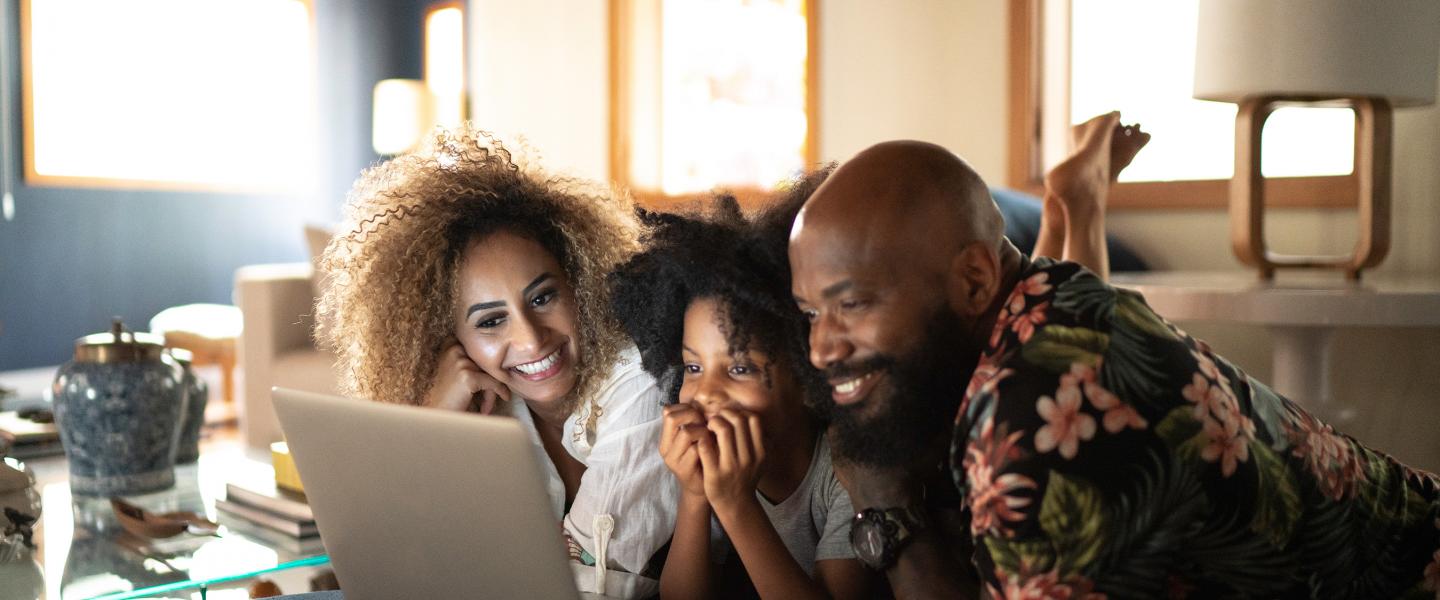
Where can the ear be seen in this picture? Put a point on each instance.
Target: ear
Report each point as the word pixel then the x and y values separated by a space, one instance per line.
pixel 972 279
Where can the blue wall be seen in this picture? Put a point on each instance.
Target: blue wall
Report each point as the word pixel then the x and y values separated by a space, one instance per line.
pixel 73 258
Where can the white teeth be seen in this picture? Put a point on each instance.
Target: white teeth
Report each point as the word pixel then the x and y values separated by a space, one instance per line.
pixel 539 366
pixel 852 385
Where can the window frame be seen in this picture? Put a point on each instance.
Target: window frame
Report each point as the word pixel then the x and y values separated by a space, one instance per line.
pixel 33 178
pixel 1024 165
pixel 621 28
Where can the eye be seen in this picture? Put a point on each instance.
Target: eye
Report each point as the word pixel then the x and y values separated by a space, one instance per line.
pixel 851 304
pixel 742 370
pixel 544 298
pixel 810 314
pixel 691 369
pixel 490 322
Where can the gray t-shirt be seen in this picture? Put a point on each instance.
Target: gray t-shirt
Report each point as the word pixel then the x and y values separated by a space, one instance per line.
pixel 814 522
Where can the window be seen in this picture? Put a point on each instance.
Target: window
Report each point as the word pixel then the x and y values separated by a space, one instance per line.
pixel 711 93
pixel 169 94
pixel 445 62
pixel 1073 59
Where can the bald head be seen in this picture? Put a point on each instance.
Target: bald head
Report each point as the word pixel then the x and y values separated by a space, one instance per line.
pixel 913 190
pixel 901 233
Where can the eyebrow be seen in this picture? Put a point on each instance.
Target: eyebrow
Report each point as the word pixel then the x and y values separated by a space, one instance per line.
pixel 837 289
pixel 533 284
pixel 688 349
pixel 829 292
pixel 479 306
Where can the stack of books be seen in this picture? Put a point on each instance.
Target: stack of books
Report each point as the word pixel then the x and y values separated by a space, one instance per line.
pixel 275 509
pixel 34 436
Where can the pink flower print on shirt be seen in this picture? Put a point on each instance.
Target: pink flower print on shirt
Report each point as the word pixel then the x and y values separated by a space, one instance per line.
pixel 1328 456
pixel 1432 575
pixel 1229 444
pixel 1207 366
pixel 1118 414
pixel 985 378
pixel 1025 324
pixel 1065 424
pixel 992 498
pixel 1002 323
pixel 1033 285
pixel 1044 586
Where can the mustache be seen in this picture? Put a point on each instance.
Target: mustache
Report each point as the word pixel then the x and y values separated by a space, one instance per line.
pixel 853 369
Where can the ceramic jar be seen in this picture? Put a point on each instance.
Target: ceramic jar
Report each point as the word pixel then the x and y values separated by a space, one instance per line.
pixel 119 406
pixel 197 396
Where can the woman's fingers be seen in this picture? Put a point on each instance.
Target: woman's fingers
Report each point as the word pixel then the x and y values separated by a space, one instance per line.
pixel 487 402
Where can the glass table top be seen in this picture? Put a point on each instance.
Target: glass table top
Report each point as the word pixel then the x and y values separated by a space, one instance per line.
pixel 82 552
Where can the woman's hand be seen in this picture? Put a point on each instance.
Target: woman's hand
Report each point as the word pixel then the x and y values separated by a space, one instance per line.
pixel 731 458
pixel 461 386
pixel 684 426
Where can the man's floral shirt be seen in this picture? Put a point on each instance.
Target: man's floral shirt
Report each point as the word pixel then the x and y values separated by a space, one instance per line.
pixel 1102 452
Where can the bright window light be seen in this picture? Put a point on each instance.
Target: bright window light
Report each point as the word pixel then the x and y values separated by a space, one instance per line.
pixel 215 94
pixel 1137 56
pixel 732 93
pixel 445 64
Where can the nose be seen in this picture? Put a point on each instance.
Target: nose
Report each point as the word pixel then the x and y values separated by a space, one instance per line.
pixel 710 394
pixel 829 343
pixel 526 334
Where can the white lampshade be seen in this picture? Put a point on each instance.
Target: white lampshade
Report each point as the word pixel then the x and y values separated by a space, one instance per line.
pixel 404 113
pixel 1318 48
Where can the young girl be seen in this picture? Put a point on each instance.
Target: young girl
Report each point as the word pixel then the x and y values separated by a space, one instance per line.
pixel 708 304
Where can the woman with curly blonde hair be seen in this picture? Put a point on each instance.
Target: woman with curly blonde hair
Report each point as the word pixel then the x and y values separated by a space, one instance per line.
pixel 468 282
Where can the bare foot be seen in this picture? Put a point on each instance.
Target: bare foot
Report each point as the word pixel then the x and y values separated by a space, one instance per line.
pixel 1082 180
pixel 1125 143
pixel 1103 147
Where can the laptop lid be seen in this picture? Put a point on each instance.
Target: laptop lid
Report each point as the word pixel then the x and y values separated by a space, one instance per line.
pixel 423 503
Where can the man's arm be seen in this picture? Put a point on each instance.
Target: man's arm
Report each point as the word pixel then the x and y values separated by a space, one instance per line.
pixel 933 563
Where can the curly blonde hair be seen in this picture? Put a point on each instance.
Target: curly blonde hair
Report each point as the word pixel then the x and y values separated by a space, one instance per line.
pixel 390 274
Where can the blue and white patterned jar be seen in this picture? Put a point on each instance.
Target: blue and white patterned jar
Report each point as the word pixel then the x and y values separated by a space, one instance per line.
pixel 119 405
pixel 197 396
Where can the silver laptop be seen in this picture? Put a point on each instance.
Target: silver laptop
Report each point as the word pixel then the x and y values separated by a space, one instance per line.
pixel 422 503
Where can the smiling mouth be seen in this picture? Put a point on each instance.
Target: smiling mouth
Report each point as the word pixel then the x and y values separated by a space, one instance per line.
pixel 853 390
pixel 540 369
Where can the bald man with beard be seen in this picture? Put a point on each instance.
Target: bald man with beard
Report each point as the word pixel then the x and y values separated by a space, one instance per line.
pixel 1023 425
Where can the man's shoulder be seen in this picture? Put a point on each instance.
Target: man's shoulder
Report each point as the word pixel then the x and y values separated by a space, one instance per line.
pixel 1066 294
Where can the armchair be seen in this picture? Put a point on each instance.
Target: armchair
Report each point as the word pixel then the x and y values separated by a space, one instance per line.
pixel 277 347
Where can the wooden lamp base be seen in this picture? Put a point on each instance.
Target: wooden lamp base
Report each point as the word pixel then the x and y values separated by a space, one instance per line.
pixel 1374 132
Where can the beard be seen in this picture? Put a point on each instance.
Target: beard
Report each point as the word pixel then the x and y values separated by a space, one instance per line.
pixel 907 416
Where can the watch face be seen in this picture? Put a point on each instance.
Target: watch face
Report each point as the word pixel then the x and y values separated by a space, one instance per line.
pixel 872 538
pixel 868 541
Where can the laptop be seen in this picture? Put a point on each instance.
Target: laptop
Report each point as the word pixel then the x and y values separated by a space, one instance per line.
pixel 422 503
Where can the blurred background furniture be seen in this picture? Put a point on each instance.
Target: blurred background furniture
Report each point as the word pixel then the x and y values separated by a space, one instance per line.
pixel 277 347
pixel 1301 314
pixel 209 332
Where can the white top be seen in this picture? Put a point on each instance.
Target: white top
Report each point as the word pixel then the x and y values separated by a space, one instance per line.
pixel 624 477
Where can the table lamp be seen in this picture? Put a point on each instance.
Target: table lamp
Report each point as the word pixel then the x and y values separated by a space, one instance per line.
pixel 1369 56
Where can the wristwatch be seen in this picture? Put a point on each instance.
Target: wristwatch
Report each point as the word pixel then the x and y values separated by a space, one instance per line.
pixel 878 534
